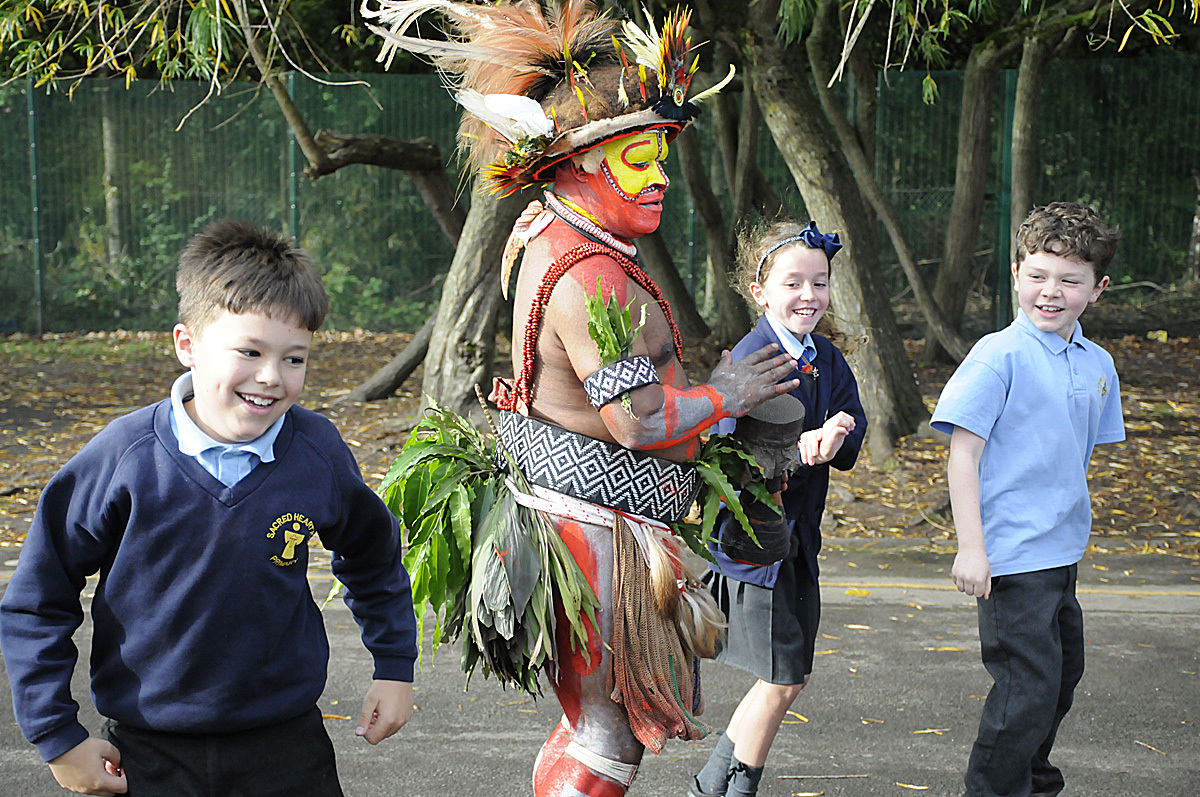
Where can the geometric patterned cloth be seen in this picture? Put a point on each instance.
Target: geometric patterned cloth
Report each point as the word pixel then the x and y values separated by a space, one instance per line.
pixel 598 471
pixel 616 378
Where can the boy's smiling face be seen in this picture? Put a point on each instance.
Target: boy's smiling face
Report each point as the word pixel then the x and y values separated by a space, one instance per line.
pixel 1053 290
pixel 247 371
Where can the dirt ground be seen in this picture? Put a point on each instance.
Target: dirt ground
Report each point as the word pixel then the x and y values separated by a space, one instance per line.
pixel 56 393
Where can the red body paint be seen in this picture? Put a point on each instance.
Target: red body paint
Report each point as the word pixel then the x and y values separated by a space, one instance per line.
pixel 682 416
pixel 613 281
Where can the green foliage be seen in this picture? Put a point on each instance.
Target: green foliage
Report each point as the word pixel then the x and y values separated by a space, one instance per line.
pixel 488 568
pixel 610 325
pixel 86 288
pixel 723 463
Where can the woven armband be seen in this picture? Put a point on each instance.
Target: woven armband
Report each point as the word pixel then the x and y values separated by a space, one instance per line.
pixel 619 377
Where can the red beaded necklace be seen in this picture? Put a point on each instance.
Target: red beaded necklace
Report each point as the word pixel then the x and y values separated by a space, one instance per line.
pixel 523 388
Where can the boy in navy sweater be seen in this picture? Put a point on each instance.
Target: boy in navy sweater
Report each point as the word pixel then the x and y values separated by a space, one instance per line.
pixel 208 651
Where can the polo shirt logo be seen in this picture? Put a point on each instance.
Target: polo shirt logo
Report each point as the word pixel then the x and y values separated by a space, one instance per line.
pixel 1103 387
pixel 295 529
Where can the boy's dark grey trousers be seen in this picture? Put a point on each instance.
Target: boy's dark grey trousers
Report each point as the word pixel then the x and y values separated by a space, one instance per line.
pixel 291 758
pixel 1031 636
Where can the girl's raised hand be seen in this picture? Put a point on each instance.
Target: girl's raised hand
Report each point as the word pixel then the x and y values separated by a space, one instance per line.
pixel 821 445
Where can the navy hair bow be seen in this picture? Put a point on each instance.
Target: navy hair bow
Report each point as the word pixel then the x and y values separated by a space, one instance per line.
pixel 829 243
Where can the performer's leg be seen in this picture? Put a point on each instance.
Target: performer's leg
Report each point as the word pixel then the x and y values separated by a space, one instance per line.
pixel 551 751
pixel 582 679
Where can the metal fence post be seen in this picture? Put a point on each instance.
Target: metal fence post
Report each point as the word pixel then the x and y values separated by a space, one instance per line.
pixel 39 325
pixel 293 205
pixel 1002 310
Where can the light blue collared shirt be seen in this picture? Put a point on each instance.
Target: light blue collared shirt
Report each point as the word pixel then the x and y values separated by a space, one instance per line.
pixel 802 351
pixel 229 463
pixel 1042 404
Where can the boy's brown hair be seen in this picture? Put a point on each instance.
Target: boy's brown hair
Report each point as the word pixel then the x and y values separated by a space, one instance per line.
pixel 1069 229
pixel 233 265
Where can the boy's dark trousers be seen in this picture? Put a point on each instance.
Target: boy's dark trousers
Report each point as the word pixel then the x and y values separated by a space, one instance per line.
pixel 293 757
pixel 1031 635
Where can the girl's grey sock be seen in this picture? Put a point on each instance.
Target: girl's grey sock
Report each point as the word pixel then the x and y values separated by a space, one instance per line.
pixel 743 779
pixel 715 775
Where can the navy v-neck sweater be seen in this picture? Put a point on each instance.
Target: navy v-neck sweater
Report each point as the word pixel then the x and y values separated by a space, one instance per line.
pixel 203 619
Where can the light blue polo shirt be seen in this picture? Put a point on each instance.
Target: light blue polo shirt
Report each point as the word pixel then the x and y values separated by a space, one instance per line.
pixel 229 463
pixel 1041 404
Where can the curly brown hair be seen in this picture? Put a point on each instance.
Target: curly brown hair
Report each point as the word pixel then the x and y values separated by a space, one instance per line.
pixel 1069 229
pixel 753 243
pixel 233 265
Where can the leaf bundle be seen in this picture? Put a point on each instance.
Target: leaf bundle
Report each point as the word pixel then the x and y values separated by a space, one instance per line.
pixel 723 463
pixel 611 326
pixel 487 567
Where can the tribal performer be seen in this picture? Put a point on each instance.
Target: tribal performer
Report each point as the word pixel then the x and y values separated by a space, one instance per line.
pixel 565 98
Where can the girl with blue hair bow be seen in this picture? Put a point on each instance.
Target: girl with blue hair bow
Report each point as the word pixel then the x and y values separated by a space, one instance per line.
pixel 774 610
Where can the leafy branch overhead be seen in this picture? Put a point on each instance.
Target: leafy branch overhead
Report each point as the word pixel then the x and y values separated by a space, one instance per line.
pixel 925 31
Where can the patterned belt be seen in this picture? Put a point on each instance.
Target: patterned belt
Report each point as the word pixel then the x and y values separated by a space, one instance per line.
pixel 598 471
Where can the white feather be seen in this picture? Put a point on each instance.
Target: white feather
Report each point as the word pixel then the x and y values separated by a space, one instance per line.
pixel 513 116
pixel 644 45
pixel 712 91
pixel 448 49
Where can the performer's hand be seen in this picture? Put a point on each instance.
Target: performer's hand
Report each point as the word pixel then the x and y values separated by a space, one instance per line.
pixel 91 767
pixel 386 708
pixel 752 380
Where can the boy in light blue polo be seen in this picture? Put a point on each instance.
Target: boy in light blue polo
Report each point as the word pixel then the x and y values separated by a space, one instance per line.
pixel 1025 409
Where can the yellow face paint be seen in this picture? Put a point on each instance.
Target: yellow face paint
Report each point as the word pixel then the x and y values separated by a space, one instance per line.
pixel 635 161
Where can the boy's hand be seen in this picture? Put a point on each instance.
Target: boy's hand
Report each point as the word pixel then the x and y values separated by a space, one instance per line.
pixel 91 767
pixel 821 445
pixel 972 574
pixel 387 707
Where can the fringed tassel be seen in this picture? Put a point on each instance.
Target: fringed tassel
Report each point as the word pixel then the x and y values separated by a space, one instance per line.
pixel 653 675
pixel 678 594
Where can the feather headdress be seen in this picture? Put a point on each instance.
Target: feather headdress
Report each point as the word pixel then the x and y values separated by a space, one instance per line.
pixel 541 83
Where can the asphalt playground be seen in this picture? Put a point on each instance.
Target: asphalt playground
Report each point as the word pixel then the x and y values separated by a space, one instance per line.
pixel 892 708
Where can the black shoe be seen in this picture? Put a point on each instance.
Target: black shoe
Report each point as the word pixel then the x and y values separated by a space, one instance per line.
pixel 696 791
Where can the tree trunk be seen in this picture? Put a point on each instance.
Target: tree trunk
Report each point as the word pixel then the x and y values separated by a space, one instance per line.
pixel 114 194
pixel 463 343
pixel 724 128
pixel 420 157
pixel 733 317
pixel 657 261
pixel 957 270
pixel 746 164
pixel 1040 47
pixel 388 379
pixel 819 47
pixel 809 147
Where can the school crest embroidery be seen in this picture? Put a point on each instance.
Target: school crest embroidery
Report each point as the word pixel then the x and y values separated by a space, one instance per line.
pixel 294 529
